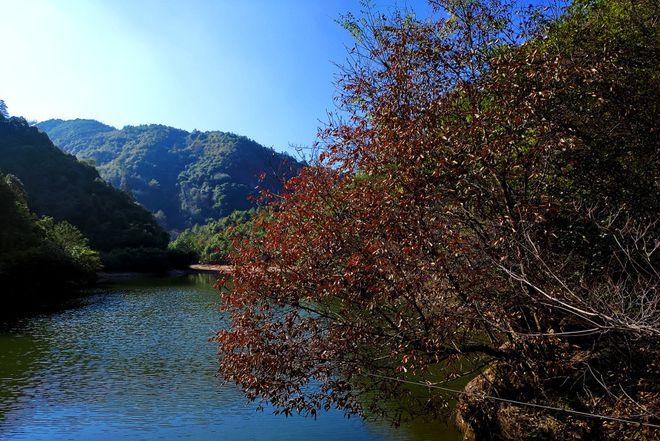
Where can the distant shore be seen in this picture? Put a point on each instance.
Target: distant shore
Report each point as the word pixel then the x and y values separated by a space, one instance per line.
pixel 205 268
pixel 211 268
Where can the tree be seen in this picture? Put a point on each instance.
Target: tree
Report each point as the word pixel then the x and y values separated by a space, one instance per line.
pixel 16 187
pixel 4 114
pixel 69 239
pixel 490 200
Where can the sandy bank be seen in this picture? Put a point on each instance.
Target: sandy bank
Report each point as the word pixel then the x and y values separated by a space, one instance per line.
pixel 212 268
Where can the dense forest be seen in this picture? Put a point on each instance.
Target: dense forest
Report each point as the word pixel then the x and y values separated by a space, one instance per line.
pixel 215 241
pixel 38 256
pixel 486 212
pixel 60 186
pixel 183 178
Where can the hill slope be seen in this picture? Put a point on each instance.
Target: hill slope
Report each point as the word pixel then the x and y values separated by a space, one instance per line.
pixel 184 178
pixel 60 186
pixel 38 257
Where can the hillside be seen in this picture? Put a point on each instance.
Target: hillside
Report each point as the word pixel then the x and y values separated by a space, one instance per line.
pixel 60 186
pixel 184 178
pixel 213 242
pixel 37 256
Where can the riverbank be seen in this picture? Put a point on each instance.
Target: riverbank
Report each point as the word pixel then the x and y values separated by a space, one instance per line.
pixel 225 269
pixel 110 276
pixel 196 268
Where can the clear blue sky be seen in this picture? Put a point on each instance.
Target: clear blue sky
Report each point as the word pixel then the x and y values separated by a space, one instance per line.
pixel 261 68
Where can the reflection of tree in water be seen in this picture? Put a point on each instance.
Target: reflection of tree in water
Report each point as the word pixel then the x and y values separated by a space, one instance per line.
pixel 130 333
pixel 410 403
pixel 21 357
pixel 132 281
pixel 417 431
pixel 24 353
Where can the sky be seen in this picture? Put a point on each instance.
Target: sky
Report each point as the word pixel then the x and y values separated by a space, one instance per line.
pixel 260 68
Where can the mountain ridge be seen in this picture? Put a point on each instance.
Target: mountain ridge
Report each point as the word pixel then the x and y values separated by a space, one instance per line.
pixel 61 186
pixel 184 178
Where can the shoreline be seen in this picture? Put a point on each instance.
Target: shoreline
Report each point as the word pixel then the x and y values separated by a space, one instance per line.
pixel 104 276
pixel 211 268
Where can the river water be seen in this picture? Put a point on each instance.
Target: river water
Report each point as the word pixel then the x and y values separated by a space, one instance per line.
pixel 131 360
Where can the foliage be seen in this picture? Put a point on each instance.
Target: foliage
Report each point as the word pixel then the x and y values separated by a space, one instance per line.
pixel 186 178
pixel 4 114
pixel 72 242
pixel 38 257
pixel 74 134
pixel 491 196
pixel 213 242
pixel 65 189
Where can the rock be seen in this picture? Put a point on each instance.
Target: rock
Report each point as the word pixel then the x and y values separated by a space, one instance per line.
pixel 481 418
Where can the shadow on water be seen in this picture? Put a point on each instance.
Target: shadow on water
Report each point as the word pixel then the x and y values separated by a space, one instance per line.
pixel 132 360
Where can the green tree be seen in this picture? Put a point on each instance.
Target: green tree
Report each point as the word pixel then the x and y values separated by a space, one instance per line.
pixel 4 114
pixel 72 242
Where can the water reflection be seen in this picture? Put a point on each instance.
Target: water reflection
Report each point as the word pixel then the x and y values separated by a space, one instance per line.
pixel 133 361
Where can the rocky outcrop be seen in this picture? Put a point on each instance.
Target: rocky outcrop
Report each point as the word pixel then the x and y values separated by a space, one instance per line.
pixel 482 418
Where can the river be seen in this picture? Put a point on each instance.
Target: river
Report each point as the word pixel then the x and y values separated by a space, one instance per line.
pixel 132 360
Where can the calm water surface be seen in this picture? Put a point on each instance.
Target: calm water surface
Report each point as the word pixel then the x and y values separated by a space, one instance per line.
pixel 133 361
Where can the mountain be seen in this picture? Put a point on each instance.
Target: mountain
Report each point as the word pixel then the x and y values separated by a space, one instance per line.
pixel 184 178
pixel 62 187
pixel 73 134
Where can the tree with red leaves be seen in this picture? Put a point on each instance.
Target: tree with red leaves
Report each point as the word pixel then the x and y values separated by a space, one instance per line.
pixel 489 199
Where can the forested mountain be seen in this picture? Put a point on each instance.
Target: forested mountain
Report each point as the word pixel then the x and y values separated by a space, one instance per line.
pixel 185 178
pixel 74 134
pixel 60 186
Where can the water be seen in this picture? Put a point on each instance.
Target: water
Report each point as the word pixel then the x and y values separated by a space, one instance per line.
pixel 132 361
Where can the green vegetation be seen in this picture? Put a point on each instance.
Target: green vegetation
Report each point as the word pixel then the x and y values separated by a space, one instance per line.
pixel 184 178
pixel 39 256
pixel 70 240
pixel 213 242
pixel 3 110
pixel 59 186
